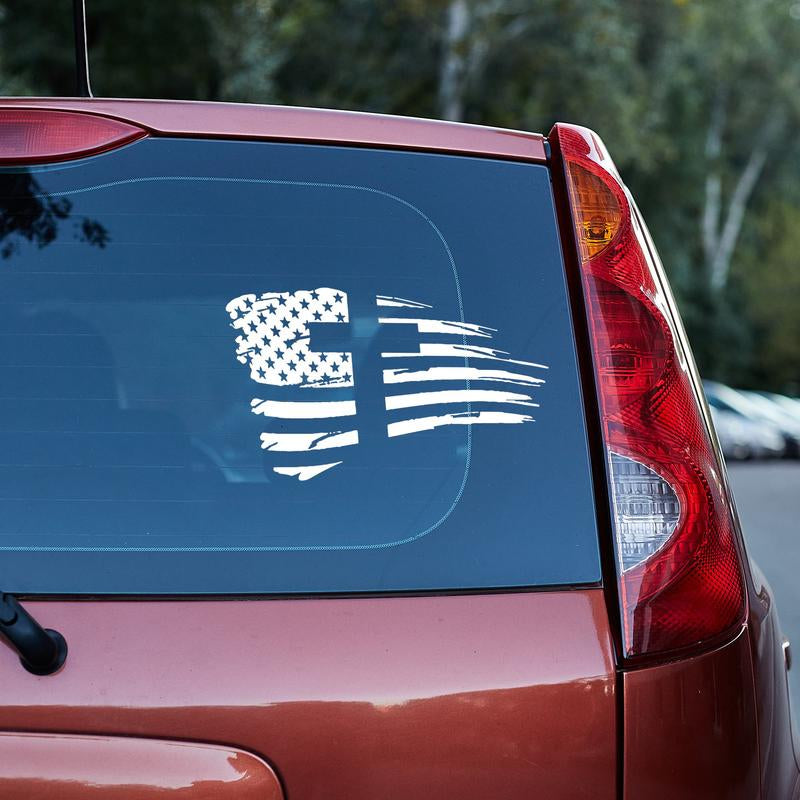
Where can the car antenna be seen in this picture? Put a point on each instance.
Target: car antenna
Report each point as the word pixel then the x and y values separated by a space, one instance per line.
pixel 42 651
pixel 82 87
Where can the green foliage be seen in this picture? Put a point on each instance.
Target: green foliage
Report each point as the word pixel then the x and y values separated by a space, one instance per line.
pixel 685 93
pixel 770 278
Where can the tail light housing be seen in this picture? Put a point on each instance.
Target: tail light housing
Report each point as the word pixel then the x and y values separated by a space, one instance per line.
pixel 35 136
pixel 678 559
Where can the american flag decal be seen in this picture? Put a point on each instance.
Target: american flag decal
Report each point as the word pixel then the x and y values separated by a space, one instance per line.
pixel 274 342
pixel 275 336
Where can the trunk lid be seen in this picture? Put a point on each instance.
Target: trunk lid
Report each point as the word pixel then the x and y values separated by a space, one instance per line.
pixel 295 458
pixel 505 695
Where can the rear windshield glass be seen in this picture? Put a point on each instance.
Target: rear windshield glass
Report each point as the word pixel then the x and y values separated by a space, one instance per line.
pixel 240 367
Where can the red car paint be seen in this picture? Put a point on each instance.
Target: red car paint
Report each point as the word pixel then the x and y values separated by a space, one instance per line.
pixel 67 767
pixel 469 696
pixel 281 123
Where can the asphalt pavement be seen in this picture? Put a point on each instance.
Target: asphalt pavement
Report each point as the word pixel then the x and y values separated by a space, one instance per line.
pixel 768 498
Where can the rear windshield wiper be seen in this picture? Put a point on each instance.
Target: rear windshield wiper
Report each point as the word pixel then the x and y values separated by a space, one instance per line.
pixel 42 651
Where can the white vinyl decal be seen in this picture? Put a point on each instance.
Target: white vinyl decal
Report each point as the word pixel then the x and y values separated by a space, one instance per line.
pixel 275 337
pixel 430 349
pixel 456 396
pixel 465 418
pixel 275 341
pixel 440 326
pixel 305 473
pixel 398 302
pixel 459 374
pixel 299 442
pixel 303 410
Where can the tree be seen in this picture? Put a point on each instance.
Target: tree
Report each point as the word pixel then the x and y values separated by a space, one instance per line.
pixel 770 279
pixel 697 101
pixel 738 49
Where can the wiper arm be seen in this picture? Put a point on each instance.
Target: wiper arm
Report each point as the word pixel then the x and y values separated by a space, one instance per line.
pixel 42 651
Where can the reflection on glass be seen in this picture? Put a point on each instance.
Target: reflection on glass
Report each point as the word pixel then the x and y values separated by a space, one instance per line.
pixel 29 213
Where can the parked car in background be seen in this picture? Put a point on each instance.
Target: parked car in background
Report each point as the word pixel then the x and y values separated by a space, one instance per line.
pixel 360 457
pixel 765 438
pixel 790 404
pixel 774 413
pixel 787 407
pixel 738 437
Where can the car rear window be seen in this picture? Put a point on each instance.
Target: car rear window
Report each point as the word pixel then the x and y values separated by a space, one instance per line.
pixel 247 367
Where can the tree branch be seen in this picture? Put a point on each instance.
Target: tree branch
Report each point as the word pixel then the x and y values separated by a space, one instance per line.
pixel 721 261
pixel 712 207
pixel 452 75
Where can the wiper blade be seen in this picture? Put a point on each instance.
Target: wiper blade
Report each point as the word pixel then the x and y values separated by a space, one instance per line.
pixel 42 651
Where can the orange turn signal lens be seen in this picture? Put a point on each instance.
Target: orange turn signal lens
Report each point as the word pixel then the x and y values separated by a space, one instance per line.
pixel 598 217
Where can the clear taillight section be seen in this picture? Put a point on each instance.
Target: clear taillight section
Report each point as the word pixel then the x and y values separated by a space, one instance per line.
pixel 679 566
pixel 646 510
pixel 30 135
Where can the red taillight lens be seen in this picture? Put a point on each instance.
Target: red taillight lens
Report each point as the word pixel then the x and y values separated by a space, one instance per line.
pixel 678 561
pixel 29 136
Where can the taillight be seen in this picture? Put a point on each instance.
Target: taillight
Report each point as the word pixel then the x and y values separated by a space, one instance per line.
pixel 678 562
pixel 29 136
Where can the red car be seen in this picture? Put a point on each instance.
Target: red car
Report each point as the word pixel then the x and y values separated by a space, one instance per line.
pixel 353 456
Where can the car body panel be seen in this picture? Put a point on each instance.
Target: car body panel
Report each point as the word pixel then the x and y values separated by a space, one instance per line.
pixel 718 725
pixel 288 124
pixel 691 724
pixel 780 776
pixel 64 767
pixel 501 695
pixel 690 727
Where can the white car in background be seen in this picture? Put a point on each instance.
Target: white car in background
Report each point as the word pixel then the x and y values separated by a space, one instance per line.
pixel 789 424
pixel 744 428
